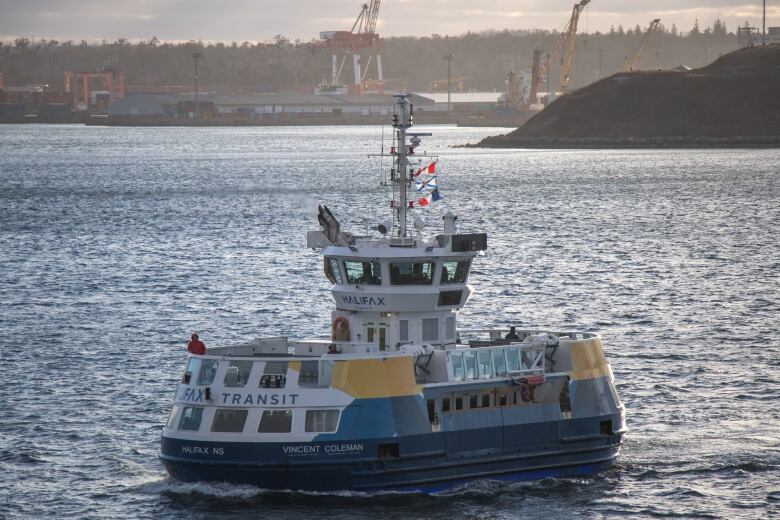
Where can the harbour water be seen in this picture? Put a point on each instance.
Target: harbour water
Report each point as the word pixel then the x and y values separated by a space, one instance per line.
pixel 116 243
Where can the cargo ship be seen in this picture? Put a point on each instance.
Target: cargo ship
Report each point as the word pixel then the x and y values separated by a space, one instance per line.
pixel 397 396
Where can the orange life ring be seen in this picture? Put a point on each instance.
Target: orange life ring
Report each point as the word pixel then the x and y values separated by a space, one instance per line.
pixel 340 329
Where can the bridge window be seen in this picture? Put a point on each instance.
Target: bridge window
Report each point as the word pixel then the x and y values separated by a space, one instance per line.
pixel 411 273
pixel 228 420
pixel 275 421
pixel 454 271
pixel 238 373
pixel 450 327
pixel 190 418
pixel 368 273
pixel 430 329
pixel 208 369
pixel 332 270
pixel 321 420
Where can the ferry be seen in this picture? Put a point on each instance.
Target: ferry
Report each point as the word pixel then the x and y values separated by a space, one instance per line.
pixel 397 397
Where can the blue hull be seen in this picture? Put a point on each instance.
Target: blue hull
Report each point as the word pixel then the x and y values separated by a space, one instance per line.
pixel 430 469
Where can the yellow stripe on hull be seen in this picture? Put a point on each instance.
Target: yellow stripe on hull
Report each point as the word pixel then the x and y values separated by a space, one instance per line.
pixel 588 360
pixel 369 378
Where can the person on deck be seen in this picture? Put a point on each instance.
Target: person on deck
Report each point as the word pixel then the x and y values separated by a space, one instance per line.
pixel 196 346
pixel 512 334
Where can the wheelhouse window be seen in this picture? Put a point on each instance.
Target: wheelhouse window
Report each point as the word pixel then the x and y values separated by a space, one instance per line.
pixel 368 273
pixel 237 373
pixel 454 271
pixel 190 418
pixel 228 420
pixel 321 420
pixel 411 273
pixel 332 270
pixel 275 421
pixel 208 369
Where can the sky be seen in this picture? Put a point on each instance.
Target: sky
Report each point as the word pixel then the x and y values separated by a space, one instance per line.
pixel 260 20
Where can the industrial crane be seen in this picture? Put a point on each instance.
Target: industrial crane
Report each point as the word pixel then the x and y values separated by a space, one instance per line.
pixel 634 62
pixel 362 35
pixel 564 47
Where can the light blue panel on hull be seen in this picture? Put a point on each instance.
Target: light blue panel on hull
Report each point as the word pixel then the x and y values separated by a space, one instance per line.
pixel 410 414
pixel 592 397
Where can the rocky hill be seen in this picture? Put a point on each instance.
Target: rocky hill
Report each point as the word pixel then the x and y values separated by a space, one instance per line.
pixel 733 101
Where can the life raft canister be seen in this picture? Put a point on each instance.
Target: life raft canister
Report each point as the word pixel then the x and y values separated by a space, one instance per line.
pixel 340 329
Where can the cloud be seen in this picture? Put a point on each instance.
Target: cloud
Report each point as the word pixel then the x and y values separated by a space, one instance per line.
pixel 260 20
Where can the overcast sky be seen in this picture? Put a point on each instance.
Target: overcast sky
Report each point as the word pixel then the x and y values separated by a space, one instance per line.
pixel 260 20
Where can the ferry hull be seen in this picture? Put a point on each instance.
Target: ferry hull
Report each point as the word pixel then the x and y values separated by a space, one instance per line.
pixel 430 468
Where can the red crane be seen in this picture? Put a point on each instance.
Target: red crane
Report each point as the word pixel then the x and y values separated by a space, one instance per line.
pixel 362 35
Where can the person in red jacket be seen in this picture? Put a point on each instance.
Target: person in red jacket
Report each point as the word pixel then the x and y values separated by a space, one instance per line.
pixel 195 345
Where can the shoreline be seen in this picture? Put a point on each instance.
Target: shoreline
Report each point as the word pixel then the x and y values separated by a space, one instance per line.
pixel 770 141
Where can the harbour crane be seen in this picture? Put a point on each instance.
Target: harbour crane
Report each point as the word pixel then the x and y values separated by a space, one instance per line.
pixel 634 62
pixel 362 35
pixel 565 45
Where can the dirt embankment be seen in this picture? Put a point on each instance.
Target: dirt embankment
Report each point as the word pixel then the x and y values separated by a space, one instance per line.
pixel 734 101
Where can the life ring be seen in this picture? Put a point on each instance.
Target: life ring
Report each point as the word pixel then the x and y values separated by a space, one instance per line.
pixel 340 329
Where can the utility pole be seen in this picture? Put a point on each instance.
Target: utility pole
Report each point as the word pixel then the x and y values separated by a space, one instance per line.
pixel 763 26
pixel 196 56
pixel 449 58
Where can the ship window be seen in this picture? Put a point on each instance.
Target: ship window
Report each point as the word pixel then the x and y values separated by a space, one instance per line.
pixel 208 369
pixel 228 420
pixel 192 366
pixel 484 364
pixel 403 330
pixel 275 421
pixel 272 381
pixel 450 327
pixel 411 273
pixel 172 416
pixel 457 366
pixel 454 271
pixel 430 329
pixel 512 359
pixel 485 400
pixel 190 418
pixel 309 374
pixel 501 400
pixel 274 374
pixel 238 373
pixel 471 365
pixel 445 404
pixel 431 411
pixel 332 271
pixel 458 403
pixel 321 420
pixel 363 272
pixel 473 402
pixel 499 362
pixel 449 298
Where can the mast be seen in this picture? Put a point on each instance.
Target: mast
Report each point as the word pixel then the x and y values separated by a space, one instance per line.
pixel 401 122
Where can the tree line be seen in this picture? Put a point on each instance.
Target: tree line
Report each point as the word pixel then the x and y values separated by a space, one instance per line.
pixel 482 58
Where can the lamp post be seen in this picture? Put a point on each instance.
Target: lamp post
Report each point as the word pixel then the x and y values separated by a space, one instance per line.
pixel 763 26
pixel 449 58
pixel 196 56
